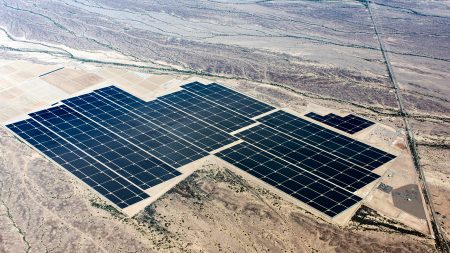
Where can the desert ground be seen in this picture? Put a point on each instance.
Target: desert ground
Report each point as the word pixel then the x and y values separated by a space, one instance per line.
pixel 324 54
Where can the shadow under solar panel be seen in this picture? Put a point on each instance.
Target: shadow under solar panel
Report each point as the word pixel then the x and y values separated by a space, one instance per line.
pixel 290 179
pixel 109 184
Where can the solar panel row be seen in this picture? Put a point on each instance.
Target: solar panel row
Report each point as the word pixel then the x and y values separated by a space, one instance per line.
pixel 349 124
pixel 105 181
pixel 300 184
pixel 340 145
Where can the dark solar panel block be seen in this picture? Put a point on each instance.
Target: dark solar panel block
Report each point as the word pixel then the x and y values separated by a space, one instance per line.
pixel 294 181
pixel 191 129
pixel 119 155
pixel 320 163
pixel 124 134
pixel 145 134
pixel 323 138
pixel 212 113
pixel 103 180
pixel 349 124
pixel 233 100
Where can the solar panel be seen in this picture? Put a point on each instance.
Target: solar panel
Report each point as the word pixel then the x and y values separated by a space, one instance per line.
pixel 233 100
pixel 106 182
pixel 116 153
pixel 349 124
pixel 189 128
pixel 300 184
pixel 338 144
pixel 121 145
pixel 212 113
pixel 319 162
pixel 155 139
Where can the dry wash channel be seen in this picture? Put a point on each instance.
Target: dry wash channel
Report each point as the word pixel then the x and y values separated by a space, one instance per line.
pixel 131 151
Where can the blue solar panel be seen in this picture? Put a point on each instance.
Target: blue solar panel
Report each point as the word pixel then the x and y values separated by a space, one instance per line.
pixel 292 180
pixel 349 124
pixel 145 134
pixel 112 186
pixel 207 111
pixel 233 100
pixel 319 162
pixel 191 129
pixel 116 153
pixel 323 138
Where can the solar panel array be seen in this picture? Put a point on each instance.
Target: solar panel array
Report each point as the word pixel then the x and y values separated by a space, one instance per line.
pixel 174 120
pixel 319 162
pixel 104 180
pixel 349 124
pixel 121 145
pixel 300 184
pixel 352 150
pixel 210 112
pixel 233 100
pixel 140 132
